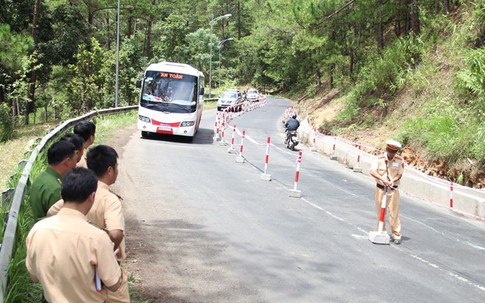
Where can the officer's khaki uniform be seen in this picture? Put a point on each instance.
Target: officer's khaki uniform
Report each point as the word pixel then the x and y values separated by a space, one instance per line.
pixel 83 162
pixel 390 169
pixel 62 253
pixel 106 213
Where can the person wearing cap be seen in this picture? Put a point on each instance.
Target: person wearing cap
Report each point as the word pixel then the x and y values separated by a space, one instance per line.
pixel 387 171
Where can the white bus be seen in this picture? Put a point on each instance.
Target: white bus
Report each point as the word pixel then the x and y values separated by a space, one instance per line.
pixel 171 99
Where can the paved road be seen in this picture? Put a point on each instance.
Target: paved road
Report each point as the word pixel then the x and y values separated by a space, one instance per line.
pixel 203 228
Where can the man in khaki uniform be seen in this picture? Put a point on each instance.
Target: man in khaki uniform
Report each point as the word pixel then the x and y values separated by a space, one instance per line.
pixel 107 211
pixel 65 252
pixel 87 130
pixel 387 171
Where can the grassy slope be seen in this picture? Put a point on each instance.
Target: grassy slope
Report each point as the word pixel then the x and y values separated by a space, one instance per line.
pixel 425 91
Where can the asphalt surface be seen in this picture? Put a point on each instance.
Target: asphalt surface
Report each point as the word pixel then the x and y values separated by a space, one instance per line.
pixel 203 228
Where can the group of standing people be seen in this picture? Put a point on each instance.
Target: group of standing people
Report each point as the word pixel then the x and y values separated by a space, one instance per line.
pixel 76 246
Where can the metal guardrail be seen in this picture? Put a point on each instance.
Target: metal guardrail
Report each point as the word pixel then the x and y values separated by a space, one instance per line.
pixel 9 234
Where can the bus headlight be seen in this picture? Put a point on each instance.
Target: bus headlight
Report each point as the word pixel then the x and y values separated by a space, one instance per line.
pixel 144 119
pixel 187 123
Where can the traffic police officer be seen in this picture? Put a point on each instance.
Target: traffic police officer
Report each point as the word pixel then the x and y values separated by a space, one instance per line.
pixel 387 171
pixel 65 253
pixel 46 188
pixel 107 210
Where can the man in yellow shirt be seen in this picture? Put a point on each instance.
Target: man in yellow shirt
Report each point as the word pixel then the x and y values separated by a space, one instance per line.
pixel 87 130
pixel 387 171
pixel 65 253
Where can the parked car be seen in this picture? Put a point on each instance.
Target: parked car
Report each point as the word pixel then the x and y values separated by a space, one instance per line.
pixel 231 97
pixel 252 95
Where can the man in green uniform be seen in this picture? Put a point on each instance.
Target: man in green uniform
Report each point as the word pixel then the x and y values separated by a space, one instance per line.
pixel 46 188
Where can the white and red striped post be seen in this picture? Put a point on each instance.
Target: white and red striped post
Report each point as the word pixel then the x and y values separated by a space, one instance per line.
pixel 223 127
pixel 216 128
pixel 314 148
pixel 240 158
pixel 231 149
pixel 451 194
pixel 333 156
pixel 357 168
pixel 264 175
pixel 295 192
pixel 382 215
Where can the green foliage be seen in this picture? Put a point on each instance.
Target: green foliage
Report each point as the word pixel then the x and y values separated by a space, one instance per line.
pixel 447 132
pixel 471 80
pixel 13 47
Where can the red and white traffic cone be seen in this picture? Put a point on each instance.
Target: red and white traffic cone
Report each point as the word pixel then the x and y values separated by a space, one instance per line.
pixel 264 175
pixel 380 236
pixel 295 193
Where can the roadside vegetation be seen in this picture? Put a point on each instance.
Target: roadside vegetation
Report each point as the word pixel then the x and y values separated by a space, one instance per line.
pixel 20 287
pixel 410 69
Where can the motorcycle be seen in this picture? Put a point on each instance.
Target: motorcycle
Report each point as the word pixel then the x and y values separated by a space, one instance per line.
pixel 291 139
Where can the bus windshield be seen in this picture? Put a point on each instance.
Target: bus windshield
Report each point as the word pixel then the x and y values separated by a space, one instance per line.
pixel 169 92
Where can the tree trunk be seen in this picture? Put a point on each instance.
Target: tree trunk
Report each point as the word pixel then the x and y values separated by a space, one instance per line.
pixel 351 63
pixel 239 19
pixel 148 39
pixel 446 7
pixel 436 6
pixel 414 12
pixel 332 70
pixel 130 26
pixel 33 75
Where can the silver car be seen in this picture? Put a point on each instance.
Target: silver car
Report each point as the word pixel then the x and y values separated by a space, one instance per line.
pixel 230 98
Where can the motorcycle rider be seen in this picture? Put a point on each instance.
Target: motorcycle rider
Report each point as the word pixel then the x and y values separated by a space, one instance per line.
pixel 291 126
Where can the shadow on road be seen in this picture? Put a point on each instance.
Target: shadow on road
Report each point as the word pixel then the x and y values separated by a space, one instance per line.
pixel 203 136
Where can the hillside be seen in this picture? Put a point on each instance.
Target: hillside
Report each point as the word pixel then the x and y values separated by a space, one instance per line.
pixel 427 112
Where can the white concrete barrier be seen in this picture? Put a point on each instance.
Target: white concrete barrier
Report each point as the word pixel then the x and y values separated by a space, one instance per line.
pixel 467 201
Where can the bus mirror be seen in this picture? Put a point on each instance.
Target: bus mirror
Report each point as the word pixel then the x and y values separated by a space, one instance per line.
pixel 138 83
pixel 201 91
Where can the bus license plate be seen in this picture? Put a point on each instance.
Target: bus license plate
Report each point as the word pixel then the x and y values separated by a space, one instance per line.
pixel 164 128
